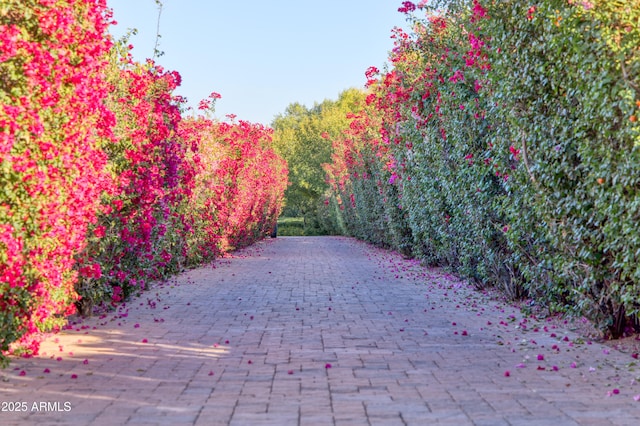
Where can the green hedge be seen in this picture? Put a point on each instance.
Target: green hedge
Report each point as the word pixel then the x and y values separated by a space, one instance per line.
pixel 503 144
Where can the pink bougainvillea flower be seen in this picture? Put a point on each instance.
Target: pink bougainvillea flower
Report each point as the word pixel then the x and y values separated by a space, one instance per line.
pixel 74 376
pixel 85 362
pixel 587 5
pixel 540 357
pixel 211 373
pixel 290 372
pixel 136 326
pixel 327 365
pixel 249 362
pixel 145 341
pixel 636 398
pixel 521 365
pixel 573 365
pixel 507 373
pixel 465 333
pixel 46 371
pixel 407 7
pixel 23 373
pixel 554 368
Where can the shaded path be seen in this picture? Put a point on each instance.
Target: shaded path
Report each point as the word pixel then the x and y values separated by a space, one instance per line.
pixel 249 342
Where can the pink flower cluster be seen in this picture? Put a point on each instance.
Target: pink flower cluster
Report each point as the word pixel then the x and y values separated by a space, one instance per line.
pixel 53 122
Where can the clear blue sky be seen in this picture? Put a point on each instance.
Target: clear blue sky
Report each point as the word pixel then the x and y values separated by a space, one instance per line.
pixel 263 55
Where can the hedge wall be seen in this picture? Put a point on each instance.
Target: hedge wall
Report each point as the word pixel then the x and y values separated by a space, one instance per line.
pixel 503 143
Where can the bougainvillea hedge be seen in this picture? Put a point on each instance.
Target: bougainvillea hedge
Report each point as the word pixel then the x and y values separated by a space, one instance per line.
pixel 53 126
pixel 503 143
pixel 100 172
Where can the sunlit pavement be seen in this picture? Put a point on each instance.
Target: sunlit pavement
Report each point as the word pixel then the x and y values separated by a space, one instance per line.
pixel 319 331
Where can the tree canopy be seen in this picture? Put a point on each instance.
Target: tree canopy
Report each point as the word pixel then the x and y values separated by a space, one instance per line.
pixel 303 137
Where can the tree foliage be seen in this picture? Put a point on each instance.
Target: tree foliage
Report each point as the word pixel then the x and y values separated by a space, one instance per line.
pixel 302 137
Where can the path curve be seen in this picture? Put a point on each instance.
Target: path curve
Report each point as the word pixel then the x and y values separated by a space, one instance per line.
pixel 318 331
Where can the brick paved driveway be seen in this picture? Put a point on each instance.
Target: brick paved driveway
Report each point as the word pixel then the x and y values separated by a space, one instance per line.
pixel 318 331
